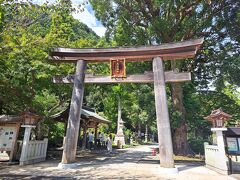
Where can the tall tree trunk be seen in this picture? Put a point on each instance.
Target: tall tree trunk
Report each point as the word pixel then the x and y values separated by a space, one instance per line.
pixel 139 131
pixel 119 113
pixel 40 131
pixel 180 145
pixel 1 107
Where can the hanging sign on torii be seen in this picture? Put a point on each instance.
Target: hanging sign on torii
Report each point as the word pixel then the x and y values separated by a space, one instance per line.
pixel 156 54
pixel 117 68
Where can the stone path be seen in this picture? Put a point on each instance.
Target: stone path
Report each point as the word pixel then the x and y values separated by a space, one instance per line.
pixel 133 163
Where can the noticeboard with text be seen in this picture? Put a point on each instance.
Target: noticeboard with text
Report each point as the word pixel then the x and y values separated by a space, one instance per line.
pixel 7 138
pixel 118 69
pixel 233 145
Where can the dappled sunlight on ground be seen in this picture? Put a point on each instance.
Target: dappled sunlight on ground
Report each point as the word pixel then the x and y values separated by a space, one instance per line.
pixel 133 163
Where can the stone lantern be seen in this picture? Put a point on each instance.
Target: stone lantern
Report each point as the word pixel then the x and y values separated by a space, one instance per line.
pixel 30 117
pixel 120 136
pixel 30 120
pixel 217 117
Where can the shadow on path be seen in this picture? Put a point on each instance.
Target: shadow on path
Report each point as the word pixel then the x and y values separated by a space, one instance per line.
pixel 130 163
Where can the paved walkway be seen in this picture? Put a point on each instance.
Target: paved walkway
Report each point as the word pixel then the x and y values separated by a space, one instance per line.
pixel 133 163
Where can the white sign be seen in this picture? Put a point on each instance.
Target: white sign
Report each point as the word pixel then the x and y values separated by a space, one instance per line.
pixel 7 137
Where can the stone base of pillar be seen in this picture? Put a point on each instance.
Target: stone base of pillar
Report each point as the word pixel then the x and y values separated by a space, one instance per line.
pixel 119 138
pixel 68 166
pixel 163 170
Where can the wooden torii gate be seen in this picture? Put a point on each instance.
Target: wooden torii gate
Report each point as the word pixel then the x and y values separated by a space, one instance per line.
pixel 171 51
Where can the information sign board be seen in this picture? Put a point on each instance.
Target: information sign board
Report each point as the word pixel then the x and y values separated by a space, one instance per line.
pixel 7 137
pixel 232 144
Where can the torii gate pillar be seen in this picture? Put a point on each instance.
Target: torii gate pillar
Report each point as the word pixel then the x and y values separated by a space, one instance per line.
pixel 70 145
pixel 163 123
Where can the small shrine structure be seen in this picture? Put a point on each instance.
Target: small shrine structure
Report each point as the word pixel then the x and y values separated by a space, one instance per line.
pixel 89 119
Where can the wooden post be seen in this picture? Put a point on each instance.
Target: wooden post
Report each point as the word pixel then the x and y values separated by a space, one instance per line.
pixel 163 124
pixel 70 145
pixel 84 142
pixel 96 135
pixel 79 135
pixel 14 152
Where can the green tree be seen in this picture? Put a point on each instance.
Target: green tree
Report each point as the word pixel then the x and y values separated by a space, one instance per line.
pixel 29 31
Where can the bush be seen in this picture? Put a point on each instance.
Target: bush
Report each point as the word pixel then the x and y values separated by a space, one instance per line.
pixel 197 145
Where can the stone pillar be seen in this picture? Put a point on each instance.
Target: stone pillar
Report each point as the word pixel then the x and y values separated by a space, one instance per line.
pixel 119 136
pixel 220 138
pixel 163 123
pixel 221 147
pixel 146 133
pixel 26 138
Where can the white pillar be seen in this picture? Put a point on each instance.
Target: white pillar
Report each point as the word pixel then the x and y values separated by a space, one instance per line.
pixel 220 139
pixel 25 143
pixel 120 135
pixel 222 158
pixel 146 133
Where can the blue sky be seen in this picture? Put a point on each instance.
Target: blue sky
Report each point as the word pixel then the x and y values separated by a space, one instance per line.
pixel 87 16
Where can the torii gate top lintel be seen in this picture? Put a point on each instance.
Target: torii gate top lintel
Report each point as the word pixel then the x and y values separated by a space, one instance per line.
pixel 169 51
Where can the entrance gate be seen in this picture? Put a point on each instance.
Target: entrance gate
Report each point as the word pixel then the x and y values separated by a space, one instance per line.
pixel 171 51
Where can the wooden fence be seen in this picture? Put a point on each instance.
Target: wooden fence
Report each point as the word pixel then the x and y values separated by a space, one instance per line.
pixel 36 151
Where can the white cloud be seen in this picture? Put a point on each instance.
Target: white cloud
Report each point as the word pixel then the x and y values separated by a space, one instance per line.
pixel 100 31
pixel 90 20
pixel 86 16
